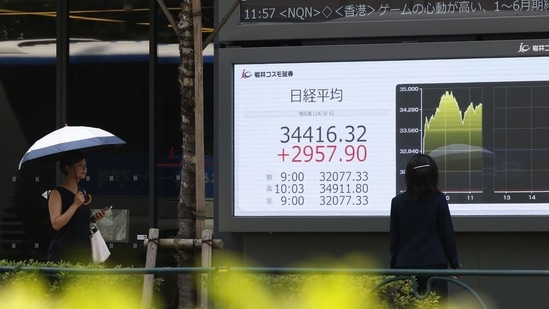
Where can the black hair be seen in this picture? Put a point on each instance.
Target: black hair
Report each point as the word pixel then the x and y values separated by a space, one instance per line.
pixel 421 177
pixel 69 158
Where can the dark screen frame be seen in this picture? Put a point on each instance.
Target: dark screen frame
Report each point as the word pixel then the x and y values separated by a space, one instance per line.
pixel 224 106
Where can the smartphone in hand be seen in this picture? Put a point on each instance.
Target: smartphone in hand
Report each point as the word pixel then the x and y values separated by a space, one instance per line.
pixel 93 219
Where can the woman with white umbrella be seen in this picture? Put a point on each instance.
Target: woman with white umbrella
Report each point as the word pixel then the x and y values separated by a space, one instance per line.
pixel 69 219
pixel 69 216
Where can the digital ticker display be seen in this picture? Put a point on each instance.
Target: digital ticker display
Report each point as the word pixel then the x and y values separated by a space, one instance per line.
pixel 314 139
pixel 286 20
pixel 261 11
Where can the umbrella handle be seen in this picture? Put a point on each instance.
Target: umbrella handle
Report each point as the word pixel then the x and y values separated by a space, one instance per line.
pixel 88 199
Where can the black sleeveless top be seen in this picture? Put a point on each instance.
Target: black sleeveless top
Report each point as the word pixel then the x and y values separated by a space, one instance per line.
pixel 72 242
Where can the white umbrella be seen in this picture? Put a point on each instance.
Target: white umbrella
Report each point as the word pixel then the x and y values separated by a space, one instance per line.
pixel 70 138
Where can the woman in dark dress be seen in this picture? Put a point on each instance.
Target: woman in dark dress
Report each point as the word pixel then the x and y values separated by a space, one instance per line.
pixel 69 217
pixel 421 230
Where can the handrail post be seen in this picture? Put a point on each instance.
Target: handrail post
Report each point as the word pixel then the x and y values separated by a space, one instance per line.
pixel 206 261
pixel 148 282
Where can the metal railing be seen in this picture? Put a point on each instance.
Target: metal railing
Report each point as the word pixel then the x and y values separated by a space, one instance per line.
pixel 397 274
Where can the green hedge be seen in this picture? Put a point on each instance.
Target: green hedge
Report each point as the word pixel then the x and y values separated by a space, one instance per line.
pixel 347 291
pixel 35 289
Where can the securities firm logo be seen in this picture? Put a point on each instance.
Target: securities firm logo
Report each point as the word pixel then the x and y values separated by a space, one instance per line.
pixel 265 74
pixel 533 48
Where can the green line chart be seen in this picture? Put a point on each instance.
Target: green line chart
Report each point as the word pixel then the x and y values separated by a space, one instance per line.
pixel 489 139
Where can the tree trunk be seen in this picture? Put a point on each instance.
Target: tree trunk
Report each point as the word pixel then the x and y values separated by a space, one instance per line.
pixel 187 203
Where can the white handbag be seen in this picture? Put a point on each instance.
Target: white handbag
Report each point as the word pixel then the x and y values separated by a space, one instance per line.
pixel 100 251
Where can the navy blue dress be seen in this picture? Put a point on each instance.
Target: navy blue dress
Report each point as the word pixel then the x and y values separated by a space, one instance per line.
pixel 72 242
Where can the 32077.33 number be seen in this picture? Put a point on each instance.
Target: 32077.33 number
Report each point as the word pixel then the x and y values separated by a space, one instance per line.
pixel 338 200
